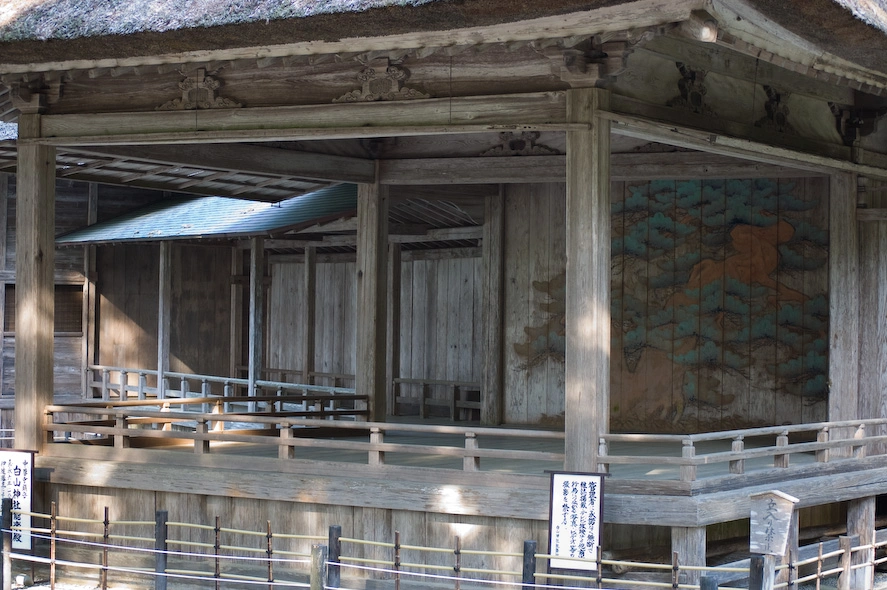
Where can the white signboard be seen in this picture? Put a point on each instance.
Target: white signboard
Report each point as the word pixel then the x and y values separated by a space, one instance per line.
pixel 16 479
pixel 574 523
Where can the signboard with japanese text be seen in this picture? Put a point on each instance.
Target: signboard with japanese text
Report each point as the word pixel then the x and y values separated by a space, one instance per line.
pixel 771 517
pixel 16 483
pixel 574 522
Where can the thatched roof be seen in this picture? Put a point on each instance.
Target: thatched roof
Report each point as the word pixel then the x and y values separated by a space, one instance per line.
pixel 64 30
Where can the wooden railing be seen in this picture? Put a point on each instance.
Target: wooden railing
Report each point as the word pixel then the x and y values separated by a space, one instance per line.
pixel 731 452
pixel 459 398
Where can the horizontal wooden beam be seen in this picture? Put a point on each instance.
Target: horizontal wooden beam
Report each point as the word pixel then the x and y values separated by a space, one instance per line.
pixel 877 214
pixel 478 114
pixel 679 165
pixel 706 141
pixel 251 159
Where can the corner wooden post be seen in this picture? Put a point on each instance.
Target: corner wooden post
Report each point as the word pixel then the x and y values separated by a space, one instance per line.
pixel 309 312
pixel 88 350
pixel 372 266
pixel 493 308
pixel 334 572
pixel 528 572
pixel 843 354
pixel 161 534
pixel 164 314
pixel 587 357
pixel 689 544
pixel 861 523
pixel 35 289
pixel 256 314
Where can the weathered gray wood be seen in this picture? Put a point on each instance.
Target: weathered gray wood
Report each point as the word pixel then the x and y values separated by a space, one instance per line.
pixel 493 260
pixel 235 346
pixel 35 305
pixel 861 522
pixel 88 349
pixel 394 320
pixel 256 313
pixel 689 544
pixel 372 266
pixel 587 358
pixel 309 313
pixel 791 550
pixel 843 299
pixel 164 312
pixel 4 216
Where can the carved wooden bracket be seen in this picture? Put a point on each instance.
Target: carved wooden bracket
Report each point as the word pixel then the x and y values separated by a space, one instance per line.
pixel 597 61
pixel 382 79
pixel 520 144
pixel 692 91
pixel 855 123
pixel 199 92
pixel 777 112
pixel 33 93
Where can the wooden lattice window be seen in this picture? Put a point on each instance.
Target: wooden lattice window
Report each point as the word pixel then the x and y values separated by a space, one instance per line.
pixel 68 309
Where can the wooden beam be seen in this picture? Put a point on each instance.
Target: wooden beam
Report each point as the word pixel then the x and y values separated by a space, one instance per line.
pixel 164 314
pixel 256 314
pixel 35 300
pixel 493 268
pixel 871 214
pixel 372 265
pixel 250 159
pixel 843 290
pixel 587 356
pixel 309 311
pixel 706 141
pixel 477 114
pixel 678 165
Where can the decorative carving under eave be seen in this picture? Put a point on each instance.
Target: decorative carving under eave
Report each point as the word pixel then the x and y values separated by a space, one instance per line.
pixel 596 61
pixel 855 123
pixel 777 112
pixel 382 79
pixel 520 144
pixel 692 88
pixel 199 92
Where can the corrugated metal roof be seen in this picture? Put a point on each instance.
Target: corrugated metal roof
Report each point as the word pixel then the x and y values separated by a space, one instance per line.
pixel 216 217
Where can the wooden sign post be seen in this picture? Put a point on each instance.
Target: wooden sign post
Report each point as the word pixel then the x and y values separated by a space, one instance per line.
pixel 771 519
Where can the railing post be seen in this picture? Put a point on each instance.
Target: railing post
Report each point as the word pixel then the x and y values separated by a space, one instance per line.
pixel 688 472
pixel 376 437
pixel 319 554
pixel 528 573
pixel 121 441
pixel 823 437
pixel 160 549
pixel 163 386
pixel 106 378
pixel 845 543
pixel 124 381
pixel 470 463
pixel 184 388
pixel 6 524
pixel 143 385
pixel 286 450
pixel 334 572
pixel 781 461
pixel 737 466
pixel 859 450
pixel 603 449
pixel 201 445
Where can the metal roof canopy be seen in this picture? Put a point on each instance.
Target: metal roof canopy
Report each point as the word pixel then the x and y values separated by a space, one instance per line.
pixel 216 218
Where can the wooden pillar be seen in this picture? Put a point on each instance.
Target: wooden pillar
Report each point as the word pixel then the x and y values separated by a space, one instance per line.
pixel 493 308
pixel 861 521
pixel 791 548
pixel 309 312
pixel 4 220
pixel 237 280
pixel 689 544
pixel 164 315
pixel 372 237
pixel 256 313
pixel 394 287
pixel 843 355
pixel 88 345
pixel 587 357
pixel 35 289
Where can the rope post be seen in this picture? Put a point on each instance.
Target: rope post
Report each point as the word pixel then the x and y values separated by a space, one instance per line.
pixel 334 572
pixel 845 543
pixel 397 560
pixel 706 583
pixel 160 548
pixel 762 572
pixel 217 549
pixel 599 567
pixel 457 568
pixel 319 555
pixel 269 551
pixel 676 566
pixel 106 533
pixel 6 508
pixel 528 573
pixel 53 533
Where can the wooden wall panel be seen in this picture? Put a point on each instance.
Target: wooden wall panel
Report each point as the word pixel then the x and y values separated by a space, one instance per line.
pixel 285 348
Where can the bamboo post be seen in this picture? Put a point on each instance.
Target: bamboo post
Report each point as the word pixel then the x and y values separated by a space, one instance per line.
pixel 217 549
pixel 106 534
pixel 397 560
pixel 6 508
pixel 334 572
pixel 457 568
pixel 528 573
pixel 269 551
pixel 676 567
pixel 319 554
pixel 160 548
pixel 53 530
